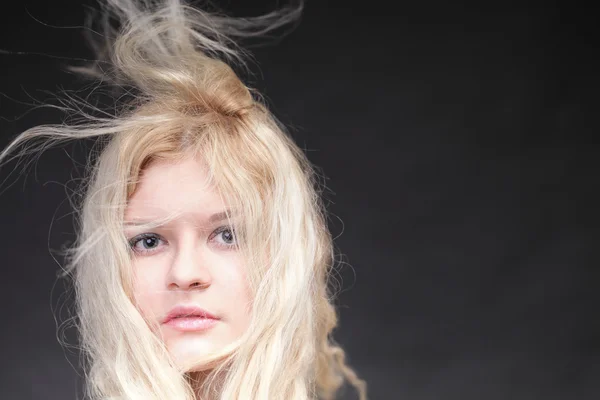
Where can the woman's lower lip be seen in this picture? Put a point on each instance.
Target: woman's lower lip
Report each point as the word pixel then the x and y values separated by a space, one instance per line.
pixel 192 323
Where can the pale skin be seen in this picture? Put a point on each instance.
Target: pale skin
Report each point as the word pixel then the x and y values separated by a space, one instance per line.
pixel 191 260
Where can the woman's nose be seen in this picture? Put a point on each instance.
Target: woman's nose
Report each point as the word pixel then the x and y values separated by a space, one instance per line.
pixel 189 269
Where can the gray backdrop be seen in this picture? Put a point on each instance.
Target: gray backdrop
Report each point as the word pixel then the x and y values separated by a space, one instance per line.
pixel 460 147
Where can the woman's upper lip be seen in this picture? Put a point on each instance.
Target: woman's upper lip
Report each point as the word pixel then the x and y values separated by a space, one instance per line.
pixel 188 310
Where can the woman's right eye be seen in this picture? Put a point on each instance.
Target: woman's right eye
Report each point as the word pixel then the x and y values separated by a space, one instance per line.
pixel 144 243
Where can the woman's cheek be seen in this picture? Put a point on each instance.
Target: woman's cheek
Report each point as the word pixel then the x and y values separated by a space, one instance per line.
pixel 143 292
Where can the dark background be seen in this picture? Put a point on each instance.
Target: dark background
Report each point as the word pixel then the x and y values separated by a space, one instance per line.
pixel 460 149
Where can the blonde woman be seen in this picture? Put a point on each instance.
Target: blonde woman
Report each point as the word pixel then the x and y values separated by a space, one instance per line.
pixel 202 255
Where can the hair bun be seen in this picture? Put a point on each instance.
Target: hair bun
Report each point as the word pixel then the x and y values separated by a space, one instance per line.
pixel 215 87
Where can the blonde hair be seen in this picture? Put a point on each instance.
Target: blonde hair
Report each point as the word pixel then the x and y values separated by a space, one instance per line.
pixel 178 62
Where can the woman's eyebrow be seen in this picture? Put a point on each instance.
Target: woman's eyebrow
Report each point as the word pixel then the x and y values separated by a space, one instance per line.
pixel 219 216
pixel 213 218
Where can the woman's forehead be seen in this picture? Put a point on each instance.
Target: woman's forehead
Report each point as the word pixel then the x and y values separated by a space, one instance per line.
pixel 167 186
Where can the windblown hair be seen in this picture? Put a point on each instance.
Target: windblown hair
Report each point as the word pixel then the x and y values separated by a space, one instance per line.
pixel 177 62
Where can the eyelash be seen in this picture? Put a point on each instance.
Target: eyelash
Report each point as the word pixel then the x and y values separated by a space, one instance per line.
pixel 133 241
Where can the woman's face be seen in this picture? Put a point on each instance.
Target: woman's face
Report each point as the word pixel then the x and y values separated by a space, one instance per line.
pixel 190 261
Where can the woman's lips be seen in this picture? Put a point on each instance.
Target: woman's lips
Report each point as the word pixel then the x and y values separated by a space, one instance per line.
pixel 189 324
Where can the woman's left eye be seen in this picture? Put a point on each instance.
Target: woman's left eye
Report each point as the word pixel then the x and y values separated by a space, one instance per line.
pixel 228 236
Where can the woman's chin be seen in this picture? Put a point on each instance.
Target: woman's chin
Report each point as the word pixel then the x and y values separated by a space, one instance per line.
pixel 190 354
